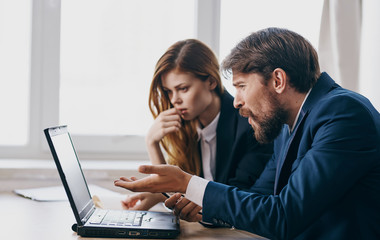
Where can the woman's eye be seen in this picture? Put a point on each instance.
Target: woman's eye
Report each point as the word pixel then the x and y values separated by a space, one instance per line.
pixel 184 89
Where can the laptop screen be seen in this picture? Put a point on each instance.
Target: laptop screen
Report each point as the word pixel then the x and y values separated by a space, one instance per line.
pixel 66 157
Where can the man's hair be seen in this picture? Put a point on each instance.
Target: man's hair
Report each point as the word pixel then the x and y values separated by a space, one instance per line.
pixel 265 50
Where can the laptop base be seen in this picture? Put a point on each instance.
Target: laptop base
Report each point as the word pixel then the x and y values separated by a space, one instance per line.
pixel 124 233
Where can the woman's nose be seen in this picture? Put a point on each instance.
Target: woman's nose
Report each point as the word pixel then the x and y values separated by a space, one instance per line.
pixel 175 98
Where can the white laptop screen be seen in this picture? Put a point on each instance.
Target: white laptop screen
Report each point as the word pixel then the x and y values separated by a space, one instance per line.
pixel 71 168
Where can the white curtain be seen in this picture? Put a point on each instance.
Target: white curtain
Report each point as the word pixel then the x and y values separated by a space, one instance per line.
pixel 370 52
pixel 339 41
pixel 349 48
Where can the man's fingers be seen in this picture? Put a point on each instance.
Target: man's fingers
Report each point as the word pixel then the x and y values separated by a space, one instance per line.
pixel 170 202
pixel 127 179
pixel 147 169
pixel 154 169
pixel 163 178
pixel 194 215
pixel 181 203
pixel 180 207
pixel 187 211
pixel 130 185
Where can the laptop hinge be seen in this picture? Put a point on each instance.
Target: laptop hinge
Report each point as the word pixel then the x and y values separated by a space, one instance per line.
pixel 88 215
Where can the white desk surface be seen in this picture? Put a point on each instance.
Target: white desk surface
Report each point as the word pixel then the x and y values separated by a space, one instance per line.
pixel 26 219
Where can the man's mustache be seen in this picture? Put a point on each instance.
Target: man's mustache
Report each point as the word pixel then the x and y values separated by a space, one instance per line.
pixel 245 113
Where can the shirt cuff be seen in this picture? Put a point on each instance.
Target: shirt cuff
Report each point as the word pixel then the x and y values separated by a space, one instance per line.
pixel 196 189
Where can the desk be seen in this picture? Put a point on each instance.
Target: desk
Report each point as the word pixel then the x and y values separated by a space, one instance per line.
pixel 26 219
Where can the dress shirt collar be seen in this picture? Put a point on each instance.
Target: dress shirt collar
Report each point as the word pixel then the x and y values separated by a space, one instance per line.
pixel 299 112
pixel 209 132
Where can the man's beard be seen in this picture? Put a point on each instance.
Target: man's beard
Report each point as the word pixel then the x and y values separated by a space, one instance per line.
pixel 268 126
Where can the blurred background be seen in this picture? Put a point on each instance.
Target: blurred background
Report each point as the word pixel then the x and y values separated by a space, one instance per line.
pixel 88 64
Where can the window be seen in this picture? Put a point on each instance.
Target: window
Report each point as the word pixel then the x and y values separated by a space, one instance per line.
pixel 89 63
pixel 108 59
pixel 14 72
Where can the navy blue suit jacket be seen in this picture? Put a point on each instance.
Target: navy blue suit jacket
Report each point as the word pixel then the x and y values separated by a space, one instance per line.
pixel 327 179
pixel 240 159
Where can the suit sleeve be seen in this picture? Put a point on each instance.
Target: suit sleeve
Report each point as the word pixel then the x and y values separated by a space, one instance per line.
pixel 341 148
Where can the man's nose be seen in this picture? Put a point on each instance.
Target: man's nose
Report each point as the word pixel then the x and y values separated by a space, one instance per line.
pixel 238 103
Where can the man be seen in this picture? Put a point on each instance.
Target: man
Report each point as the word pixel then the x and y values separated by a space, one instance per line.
pixel 326 149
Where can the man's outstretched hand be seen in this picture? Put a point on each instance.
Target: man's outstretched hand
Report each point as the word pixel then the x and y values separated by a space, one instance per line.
pixel 163 178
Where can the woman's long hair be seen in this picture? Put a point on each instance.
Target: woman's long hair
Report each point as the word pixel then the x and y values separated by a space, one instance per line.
pixel 187 56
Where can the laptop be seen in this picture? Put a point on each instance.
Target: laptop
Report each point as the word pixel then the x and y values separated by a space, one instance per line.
pixel 96 222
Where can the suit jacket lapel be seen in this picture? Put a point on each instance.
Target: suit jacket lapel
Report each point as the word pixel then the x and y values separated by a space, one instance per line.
pixel 288 153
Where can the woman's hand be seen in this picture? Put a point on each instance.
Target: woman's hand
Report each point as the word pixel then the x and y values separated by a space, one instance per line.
pixel 167 121
pixel 142 201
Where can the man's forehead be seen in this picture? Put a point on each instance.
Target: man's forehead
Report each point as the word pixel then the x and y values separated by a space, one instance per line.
pixel 240 77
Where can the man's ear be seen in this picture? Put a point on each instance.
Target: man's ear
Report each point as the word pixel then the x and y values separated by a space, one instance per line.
pixel 279 80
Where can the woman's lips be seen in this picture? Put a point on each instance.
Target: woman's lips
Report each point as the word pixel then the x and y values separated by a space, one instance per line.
pixel 182 110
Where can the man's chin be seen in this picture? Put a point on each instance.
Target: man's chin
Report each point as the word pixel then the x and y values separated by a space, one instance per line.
pixel 262 140
pixel 265 137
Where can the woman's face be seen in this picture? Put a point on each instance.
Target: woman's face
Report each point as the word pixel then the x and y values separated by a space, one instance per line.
pixel 188 94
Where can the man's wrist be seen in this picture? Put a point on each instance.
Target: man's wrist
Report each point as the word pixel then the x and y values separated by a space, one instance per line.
pixel 186 180
pixel 195 190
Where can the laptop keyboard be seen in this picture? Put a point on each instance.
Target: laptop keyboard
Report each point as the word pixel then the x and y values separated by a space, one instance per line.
pixel 117 218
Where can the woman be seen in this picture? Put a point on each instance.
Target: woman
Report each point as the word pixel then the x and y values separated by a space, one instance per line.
pixel 196 123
